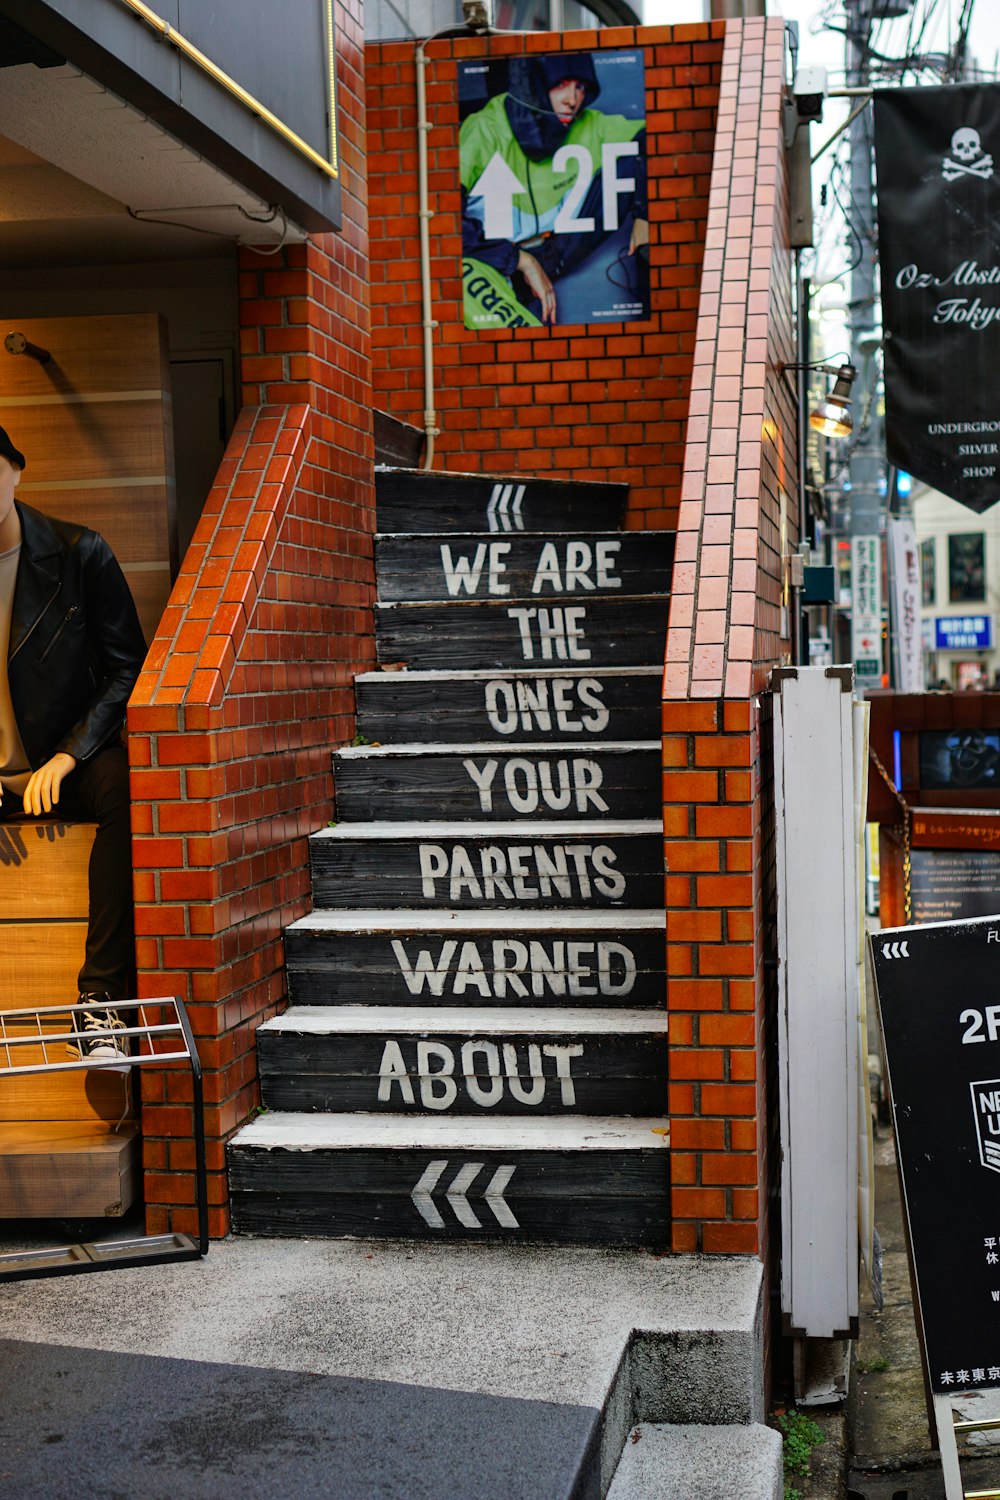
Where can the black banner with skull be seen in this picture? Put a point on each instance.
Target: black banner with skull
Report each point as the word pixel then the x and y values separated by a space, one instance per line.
pixel 937 152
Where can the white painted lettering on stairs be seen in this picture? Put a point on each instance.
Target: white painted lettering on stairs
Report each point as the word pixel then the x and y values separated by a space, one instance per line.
pixel 483 1068
pixel 523 707
pixel 557 632
pixel 530 786
pixel 512 968
pixel 574 572
pixel 460 573
pixel 520 872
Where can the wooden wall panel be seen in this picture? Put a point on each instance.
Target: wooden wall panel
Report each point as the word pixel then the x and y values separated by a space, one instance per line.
pixel 95 426
pixel 48 881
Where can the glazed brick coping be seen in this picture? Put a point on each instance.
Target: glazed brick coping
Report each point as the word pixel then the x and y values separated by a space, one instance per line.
pixel 724 636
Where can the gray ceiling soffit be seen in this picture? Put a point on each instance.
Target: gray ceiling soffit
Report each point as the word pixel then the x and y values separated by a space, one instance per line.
pixel 126 56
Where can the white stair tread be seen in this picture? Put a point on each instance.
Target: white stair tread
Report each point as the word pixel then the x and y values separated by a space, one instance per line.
pixel 535 750
pixel 296 1131
pixel 374 1020
pixel 561 601
pixel 399 920
pixel 479 535
pixel 699 1463
pixel 492 830
pixel 490 674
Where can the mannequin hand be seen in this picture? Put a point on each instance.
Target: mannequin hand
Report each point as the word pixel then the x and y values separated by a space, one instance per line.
pixel 12 850
pixel 539 284
pixel 639 236
pixel 42 792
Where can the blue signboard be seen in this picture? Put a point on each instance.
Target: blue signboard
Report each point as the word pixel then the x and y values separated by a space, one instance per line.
pixel 963 632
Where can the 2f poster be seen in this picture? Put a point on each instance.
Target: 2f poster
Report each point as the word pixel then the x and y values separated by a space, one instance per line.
pixel 555 220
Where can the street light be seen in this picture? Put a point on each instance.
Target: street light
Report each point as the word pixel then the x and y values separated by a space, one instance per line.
pixel 832 416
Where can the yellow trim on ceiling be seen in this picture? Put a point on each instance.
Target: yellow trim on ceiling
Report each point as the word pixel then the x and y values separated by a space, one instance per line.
pixel 193 54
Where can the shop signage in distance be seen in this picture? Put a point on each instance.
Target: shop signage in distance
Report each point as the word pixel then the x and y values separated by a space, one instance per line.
pixel 963 632
pixel 938 990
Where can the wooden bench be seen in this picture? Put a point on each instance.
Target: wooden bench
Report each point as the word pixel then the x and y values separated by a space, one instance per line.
pixel 69 1142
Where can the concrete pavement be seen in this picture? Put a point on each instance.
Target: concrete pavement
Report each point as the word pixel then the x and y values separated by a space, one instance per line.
pixel 363 1369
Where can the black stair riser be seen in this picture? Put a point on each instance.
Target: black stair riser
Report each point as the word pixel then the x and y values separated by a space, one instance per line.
pixel 399 1073
pixel 476 968
pixel 415 501
pixel 601 632
pixel 548 569
pixel 619 870
pixel 562 1197
pixel 542 705
pixel 590 784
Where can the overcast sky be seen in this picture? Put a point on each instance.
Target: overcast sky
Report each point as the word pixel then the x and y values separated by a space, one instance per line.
pixel 827 48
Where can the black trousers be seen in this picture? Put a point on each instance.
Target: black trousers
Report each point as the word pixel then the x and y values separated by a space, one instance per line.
pixel 96 791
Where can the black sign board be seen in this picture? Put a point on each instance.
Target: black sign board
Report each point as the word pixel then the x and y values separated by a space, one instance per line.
pixel 937 153
pixel 939 998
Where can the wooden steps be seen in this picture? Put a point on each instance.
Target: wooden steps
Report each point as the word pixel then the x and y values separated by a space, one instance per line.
pixel 458 865
pixel 589 705
pixel 418 958
pixel 520 780
pixel 589 1181
pixel 496 503
pixel 606 632
pixel 550 567
pixel 508 1061
pixel 477 1046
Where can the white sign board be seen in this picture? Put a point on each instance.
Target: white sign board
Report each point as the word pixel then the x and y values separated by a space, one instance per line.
pixel 866 608
pixel 818 1002
pixel 904 571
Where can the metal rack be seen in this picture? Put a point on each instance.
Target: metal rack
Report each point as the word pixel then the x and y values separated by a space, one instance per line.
pixel 150 1043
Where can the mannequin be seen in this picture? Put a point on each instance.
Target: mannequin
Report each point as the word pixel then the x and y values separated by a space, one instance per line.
pixel 72 648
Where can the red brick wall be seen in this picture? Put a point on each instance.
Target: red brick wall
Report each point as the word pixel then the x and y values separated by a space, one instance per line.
pixel 725 634
pixel 602 402
pixel 249 682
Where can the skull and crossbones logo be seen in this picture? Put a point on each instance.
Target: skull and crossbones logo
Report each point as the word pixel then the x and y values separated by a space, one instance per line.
pixel 967 157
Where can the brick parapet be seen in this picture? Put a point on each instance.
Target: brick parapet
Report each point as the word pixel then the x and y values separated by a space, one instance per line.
pixel 737 515
pixel 249 682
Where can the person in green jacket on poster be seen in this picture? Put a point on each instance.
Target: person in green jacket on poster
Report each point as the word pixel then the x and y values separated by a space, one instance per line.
pixel 572 176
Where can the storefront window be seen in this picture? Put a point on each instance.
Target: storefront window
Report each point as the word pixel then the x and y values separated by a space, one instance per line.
pixel 966 566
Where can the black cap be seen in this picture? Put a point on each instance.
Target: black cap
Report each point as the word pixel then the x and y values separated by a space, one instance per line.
pixel 8 450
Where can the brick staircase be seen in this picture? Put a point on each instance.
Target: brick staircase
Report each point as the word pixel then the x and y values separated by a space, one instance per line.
pixel 476 1042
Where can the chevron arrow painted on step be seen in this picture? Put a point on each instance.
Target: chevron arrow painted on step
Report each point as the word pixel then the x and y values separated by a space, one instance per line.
pixel 503 513
pixel 423 1195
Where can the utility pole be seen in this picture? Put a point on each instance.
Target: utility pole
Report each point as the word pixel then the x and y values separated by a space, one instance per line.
pixel 866 463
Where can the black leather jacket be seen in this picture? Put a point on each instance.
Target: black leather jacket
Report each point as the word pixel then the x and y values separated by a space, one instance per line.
pixel 76 646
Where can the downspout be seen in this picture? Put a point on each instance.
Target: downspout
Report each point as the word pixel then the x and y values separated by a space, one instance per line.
pixel 429 322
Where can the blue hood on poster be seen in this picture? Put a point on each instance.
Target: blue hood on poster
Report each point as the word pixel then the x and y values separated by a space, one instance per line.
pixel 538 129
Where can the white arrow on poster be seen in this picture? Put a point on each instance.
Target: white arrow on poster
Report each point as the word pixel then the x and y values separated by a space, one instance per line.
pixel 497 187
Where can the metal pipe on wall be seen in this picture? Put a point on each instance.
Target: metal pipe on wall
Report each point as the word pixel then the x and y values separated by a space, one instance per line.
pixel 429 323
